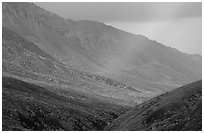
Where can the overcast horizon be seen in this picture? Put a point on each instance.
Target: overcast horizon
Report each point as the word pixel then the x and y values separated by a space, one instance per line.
pixel 177 25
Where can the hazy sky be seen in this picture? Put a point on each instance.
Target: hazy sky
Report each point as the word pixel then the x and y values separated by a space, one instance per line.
pixel 177 25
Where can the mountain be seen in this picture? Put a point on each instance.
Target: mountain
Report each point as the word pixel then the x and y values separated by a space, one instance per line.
pixel 91 46
pixel 41 93
pixel 180 110
pixel 25 60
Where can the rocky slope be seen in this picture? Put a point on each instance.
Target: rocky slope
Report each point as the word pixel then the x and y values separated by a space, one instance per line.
pixel 92 46
pixel 24 59
pixel 178 110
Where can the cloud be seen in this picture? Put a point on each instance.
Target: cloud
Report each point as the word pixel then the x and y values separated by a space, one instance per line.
pixel 128 12
pixel 185 34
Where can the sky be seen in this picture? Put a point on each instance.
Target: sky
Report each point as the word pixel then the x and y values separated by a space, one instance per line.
pixel 178 25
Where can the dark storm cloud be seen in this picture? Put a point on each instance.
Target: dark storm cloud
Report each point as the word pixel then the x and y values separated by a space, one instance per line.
pixel 135 12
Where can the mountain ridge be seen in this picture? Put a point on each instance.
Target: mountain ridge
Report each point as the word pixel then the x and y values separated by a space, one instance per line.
pixel 105 50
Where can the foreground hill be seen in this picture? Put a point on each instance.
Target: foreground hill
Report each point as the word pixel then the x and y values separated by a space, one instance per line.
pixel 92 46
pixel 27 106
pixel 180 110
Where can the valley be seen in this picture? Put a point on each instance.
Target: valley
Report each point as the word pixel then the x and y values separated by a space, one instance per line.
pixel 60 74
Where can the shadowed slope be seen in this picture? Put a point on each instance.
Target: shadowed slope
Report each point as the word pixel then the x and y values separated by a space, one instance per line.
pixel 28 106
pixel 180 110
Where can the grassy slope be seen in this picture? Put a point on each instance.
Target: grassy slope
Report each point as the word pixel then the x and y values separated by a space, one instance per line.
pixel 28 106
pixel 180 109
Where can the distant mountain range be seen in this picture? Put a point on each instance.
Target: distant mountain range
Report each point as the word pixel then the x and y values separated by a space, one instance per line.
pixel 95 47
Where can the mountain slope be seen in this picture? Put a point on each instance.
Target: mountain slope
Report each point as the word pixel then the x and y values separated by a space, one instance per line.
pixel 180 109
pixel 44 29
pixel 24 59
pixel 92 46
pixel 40 93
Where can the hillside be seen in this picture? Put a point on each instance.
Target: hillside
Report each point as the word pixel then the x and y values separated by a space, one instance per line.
pixel 41 93
pixel 25 60
pixel 27 106
pixel 178 110
pixel 135 60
